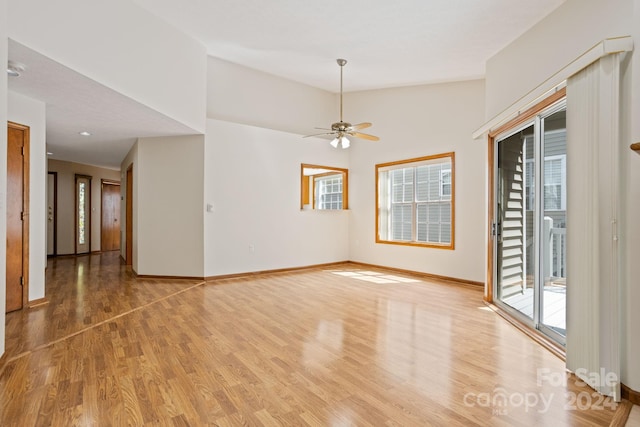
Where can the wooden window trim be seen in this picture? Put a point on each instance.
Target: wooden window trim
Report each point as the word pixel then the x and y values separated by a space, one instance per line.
pixel 449 246
pixel 529 113
pixel 345 185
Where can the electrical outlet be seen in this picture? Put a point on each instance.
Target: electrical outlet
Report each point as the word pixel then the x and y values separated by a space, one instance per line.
pixel 252 247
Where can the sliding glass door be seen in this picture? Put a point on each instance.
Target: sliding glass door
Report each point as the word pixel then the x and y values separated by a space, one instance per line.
pixel 514 226
pixel 530 221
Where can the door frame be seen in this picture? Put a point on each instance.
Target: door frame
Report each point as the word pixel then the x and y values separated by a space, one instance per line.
pixel 129 217
pixel 104 182
pixel 511 315
pixel 75 214
pixel 493 135
pixel 25 208
pixel 55 212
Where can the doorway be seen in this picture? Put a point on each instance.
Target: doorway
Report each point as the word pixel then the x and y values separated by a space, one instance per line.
pixel 531 220
pixel 52 213
pixel 129 218
pixel 17 262
pixel 83 215
pixel 110 224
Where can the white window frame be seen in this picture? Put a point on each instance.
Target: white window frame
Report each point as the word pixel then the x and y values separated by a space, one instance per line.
pixel 325 197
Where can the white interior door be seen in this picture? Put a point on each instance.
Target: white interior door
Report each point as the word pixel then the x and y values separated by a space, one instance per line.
pixel 51 214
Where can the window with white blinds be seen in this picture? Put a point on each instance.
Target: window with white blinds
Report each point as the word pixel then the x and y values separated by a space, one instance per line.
pixel 323 187
pixel 555 183
pixel 328 192
pixel 415 201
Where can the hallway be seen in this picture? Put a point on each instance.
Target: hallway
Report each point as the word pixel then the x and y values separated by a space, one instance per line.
pixel 345 345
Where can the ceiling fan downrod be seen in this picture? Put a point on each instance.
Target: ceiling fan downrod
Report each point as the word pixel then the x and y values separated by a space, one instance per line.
pixel 341 63
pixel 340 130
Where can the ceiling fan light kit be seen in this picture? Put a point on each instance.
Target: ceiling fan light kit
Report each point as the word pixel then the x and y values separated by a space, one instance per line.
pixel 342 141
pixel 341 129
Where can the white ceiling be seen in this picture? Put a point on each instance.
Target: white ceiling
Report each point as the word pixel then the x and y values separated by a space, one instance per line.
pixel 75 103
pixel 387 44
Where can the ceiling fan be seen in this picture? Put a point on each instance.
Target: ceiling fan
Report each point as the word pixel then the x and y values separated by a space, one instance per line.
pixel 341 129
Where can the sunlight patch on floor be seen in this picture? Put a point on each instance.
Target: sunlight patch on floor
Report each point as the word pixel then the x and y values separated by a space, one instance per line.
pixel 634 417
pixel 375 277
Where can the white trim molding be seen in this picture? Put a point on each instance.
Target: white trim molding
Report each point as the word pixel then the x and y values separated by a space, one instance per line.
pixel 556 81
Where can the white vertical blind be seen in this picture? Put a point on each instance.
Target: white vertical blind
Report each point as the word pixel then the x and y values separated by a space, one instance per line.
pixel 593 305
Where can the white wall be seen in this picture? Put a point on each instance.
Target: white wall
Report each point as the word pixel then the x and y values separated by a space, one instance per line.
pixel 30 112
pixel 3 170
pixel 243 95
pixel 170 181
pixel 415 122
pixel 564 35
pixel 572 29
pixel 121 46
pixel 252 179
pixel 67 201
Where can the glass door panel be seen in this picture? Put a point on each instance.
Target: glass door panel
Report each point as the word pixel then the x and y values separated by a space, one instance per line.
pixel 554 237
pixel 530 222
pixel 515 227
pixel 83 214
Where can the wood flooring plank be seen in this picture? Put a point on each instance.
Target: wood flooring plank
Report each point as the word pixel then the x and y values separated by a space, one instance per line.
pixel 345 345
pixel 266 419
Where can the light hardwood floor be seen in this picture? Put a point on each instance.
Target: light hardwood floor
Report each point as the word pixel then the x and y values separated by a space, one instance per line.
pixel 339 346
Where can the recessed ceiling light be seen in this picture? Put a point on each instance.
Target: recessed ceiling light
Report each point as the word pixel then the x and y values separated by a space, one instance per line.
pixel 14 68
pixel 85 133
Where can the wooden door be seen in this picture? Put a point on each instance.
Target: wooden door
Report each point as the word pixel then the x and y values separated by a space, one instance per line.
pixel 83 214
pixel 17 217
pixel 52 212
pixel 110 228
